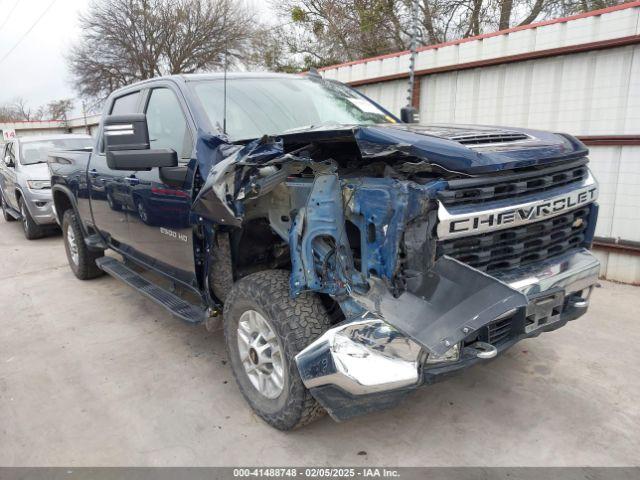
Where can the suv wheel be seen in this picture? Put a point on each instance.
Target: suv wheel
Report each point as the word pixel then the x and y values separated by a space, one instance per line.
pixel 31 229
pixel 81 260
pixel 264 330
pixel 113 204
pixel 5 214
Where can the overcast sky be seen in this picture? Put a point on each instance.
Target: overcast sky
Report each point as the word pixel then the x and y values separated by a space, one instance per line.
pixel 36 69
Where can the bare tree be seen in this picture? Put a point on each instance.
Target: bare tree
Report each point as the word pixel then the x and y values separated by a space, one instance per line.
pixel 21 110
pixel 324 32
pixel 128 40
pixel 59 109
pixel 7 113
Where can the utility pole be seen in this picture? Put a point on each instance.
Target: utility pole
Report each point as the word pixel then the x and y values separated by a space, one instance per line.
pixel 409 113
pixel 84 114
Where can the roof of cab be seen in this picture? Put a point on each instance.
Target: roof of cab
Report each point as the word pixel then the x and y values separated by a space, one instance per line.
pixel 194 77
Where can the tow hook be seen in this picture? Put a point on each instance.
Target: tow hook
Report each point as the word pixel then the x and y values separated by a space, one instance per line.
pixel 484 349
pixel 579 302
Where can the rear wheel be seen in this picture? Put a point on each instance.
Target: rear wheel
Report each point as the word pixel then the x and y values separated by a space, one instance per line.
pixel 7 217
pixel 31 229
pixel 264 330
pixel 81 260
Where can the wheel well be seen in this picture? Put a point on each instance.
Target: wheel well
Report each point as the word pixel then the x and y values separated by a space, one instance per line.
pixel 62 203
pixel 257 247
pixel 253 248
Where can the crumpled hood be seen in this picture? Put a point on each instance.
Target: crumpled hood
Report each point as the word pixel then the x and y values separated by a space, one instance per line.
pixel 461 148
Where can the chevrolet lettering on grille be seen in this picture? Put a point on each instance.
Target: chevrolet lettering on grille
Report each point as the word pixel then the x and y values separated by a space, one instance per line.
pixel 454 224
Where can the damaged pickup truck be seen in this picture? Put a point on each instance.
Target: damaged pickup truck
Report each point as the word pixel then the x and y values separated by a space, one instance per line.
pixel 350 258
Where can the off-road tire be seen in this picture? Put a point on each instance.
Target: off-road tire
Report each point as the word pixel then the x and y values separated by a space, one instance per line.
pixel 85 268
pixel 221 271
pixel 5 214
pixel 297 322
pixel 29 226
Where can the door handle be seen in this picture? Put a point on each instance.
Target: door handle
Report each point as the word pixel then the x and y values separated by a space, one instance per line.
pixel 93 172
pixel 132 180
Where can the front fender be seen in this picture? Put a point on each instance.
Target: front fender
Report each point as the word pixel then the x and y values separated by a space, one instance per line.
pixel 63 199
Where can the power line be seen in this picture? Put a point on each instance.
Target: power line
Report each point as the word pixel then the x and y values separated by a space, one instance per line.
pixel 28 31
pixel 6 19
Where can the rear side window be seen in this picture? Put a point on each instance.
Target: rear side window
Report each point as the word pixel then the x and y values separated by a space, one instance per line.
pixel 125 104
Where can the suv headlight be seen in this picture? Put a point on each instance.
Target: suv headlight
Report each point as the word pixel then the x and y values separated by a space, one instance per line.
pixel 39 184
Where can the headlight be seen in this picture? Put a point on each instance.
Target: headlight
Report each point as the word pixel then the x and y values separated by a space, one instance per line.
pixel 38 184
pixel 451 355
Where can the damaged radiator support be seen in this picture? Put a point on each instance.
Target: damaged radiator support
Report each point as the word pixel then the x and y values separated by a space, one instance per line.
pixel 403 257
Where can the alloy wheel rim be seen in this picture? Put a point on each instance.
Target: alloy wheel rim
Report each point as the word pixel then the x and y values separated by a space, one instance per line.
pixel 73 246
pixel 142 212
pixel 261 354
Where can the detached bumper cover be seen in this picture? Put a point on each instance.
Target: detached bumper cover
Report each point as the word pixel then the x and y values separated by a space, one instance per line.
pixel 375 360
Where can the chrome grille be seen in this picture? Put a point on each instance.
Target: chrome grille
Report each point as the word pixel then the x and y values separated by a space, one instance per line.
pixel 514 247
pixel 481 189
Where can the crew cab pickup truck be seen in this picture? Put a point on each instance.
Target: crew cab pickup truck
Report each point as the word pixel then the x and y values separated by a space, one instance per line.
pixel 349 258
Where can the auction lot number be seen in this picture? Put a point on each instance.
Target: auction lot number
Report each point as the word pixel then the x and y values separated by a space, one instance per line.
pixel 315 472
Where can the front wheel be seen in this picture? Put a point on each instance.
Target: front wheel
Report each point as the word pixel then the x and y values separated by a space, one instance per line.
pixel 81 260
pixel 31 229
pixel 264 330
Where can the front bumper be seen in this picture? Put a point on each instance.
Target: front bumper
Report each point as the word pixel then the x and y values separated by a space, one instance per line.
pixel 364 364
pixel 40 205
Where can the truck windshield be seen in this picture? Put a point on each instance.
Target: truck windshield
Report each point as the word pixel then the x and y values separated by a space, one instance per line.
pixel 273 106
pixel 36 151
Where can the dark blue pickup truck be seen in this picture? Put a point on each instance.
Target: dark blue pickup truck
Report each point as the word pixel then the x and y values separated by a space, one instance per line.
pixel 349 257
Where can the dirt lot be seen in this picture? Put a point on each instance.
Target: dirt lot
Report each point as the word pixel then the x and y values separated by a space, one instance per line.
pixel 93 374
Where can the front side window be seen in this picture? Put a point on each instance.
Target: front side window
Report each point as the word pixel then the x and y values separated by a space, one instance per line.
pixel 37 151
pixel 167 125
pixel 272 106
pixel 9 153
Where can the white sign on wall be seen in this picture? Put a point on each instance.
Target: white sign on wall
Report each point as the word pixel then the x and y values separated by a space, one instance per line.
pixel 8 134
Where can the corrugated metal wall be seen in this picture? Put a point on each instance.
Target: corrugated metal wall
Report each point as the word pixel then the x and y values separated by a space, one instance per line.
pixel 586 92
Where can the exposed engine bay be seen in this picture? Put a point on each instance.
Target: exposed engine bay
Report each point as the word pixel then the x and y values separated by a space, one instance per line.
pixel 357 216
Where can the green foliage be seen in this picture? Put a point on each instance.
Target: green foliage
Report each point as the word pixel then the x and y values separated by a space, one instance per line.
pixel 298 14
